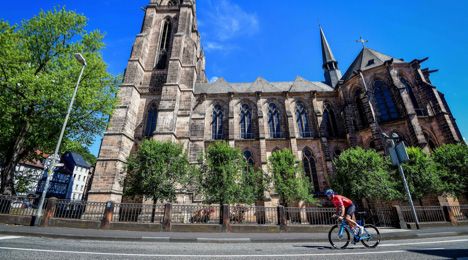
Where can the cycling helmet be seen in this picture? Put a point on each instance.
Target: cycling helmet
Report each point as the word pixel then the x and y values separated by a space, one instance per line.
pixel 329 192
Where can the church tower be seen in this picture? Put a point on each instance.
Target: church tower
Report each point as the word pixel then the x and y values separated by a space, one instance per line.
pixel 155 99
pixel 330 66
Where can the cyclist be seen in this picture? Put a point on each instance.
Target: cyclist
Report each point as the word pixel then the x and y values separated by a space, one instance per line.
pixel 345 208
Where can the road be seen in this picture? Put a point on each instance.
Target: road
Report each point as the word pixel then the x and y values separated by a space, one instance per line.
pixel 23 247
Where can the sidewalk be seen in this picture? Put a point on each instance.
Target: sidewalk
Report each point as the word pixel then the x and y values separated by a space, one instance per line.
pixel 95 234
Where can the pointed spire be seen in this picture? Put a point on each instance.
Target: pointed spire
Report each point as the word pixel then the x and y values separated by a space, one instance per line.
pixel 330 66
pixel 327 54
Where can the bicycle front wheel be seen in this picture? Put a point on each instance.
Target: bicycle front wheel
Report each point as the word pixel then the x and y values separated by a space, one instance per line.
pixel 371 236
pixel 336 239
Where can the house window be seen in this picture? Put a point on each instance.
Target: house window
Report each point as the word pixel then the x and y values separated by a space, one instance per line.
pixel 310 169
pixel 302 121
pixel 151 120
pixel 217 123
pixel 385 103
pixel 246 122
pixel 164 45
pixel 274 121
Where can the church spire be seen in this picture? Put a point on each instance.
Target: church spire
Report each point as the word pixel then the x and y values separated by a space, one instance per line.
pixel 330 65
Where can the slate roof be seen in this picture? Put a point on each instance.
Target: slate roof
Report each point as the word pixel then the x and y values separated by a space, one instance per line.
pixel 220 86
pixel 77 159
pixel 367 59
pixel 327 54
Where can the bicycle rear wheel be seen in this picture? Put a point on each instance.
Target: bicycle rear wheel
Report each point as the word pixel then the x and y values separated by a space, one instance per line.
pixel 336 240
pixel 371 236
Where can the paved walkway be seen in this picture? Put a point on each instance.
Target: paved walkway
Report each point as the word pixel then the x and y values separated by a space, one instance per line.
pixel 97 234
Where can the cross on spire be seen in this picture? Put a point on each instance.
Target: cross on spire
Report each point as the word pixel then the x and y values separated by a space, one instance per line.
pixel 362 41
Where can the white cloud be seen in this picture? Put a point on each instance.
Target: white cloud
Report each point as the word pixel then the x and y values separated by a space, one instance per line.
pixel 213 79
pixel 224 22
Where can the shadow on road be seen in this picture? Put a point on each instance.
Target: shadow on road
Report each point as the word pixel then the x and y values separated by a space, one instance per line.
pixel 451 253
pixel 316 247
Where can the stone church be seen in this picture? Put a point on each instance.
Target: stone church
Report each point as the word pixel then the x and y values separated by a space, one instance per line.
pixel 166 96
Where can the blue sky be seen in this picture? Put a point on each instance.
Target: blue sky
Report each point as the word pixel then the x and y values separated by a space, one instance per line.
pixel 279 40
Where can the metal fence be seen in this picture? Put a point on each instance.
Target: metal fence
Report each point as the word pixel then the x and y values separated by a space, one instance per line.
pixel 460 212
pixel 18 205
pixel 195 214
pixel 260 215
pixel 309 216
pixel 137 212
pixel 84 210
pixel 425 213
pixel 383 217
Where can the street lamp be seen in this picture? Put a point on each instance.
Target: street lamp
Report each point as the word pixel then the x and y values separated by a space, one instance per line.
pixel 53 160
pixel 399 155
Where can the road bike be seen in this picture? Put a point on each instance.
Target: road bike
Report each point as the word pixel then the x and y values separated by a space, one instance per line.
pixel 339 235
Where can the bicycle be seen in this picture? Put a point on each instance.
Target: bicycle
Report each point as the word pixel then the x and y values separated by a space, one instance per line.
pixel 339 235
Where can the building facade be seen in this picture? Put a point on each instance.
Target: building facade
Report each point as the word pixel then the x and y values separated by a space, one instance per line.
pixel 165 96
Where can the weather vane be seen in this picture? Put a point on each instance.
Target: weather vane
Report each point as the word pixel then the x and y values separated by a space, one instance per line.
pixel 362 41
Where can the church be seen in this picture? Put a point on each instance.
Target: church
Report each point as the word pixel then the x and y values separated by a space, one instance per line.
pixel 166 96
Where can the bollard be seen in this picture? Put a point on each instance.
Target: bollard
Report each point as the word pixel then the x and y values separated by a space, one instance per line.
pixel 49 212
pixel 226 227
pixel 166 225
pixel 107 217
pixel 282 218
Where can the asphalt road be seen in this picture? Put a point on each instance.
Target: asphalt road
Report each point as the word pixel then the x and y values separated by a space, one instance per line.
pixel 17 247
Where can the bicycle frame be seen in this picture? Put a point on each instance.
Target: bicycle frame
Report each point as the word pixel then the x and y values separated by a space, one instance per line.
pixel 360 237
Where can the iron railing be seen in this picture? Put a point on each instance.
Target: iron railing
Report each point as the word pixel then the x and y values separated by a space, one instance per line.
pixel 383 217
pixel 425 213
pixel 138 212
pixel 195 214
pixel 19 205
pixel 260 215
pixel 75 209
pixel 309 216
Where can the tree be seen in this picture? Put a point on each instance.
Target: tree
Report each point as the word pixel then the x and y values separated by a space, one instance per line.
pixel 157 170
pixel 74 146
pixel 363 174
pixel 452 165
pixel 223 177
pixel 37 76
pixel 421 175
pixel 288 178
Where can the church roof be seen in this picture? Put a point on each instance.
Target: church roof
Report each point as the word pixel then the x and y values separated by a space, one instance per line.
pixel 220 86
pixel 367 59
pixel 327 54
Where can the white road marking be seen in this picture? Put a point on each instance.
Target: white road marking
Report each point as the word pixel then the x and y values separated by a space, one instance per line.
pixel 9 237
pixel 425 242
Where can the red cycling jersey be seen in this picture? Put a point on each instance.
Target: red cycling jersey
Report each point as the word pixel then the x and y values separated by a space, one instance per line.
pixel 339 201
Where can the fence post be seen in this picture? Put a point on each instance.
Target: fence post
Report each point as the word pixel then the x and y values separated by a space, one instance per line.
pixel 166 225
pixel 107 217
pixel 449 216
pixel 401 218
pixel 226 227
pixel 282 218
pixel 49 211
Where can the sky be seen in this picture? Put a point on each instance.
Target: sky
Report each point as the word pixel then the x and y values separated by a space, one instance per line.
pixel 279 40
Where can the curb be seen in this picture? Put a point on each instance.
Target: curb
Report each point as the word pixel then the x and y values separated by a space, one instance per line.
pixel 225 240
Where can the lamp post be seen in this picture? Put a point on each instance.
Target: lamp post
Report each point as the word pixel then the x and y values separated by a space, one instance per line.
pixel 398 155
pixel 53 160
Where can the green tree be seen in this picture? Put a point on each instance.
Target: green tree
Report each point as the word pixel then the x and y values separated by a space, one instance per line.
pixel 288 178
pixel 363 174
pixel 452 166
pixel 74 146
pixel 38 73
pixel 223 177
pixel 421 175
pixel 157 170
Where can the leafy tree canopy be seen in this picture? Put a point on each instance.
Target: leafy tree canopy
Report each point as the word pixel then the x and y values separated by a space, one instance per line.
pixel 363 174
pixel 288 178
pixel 452 163
pixel 38 73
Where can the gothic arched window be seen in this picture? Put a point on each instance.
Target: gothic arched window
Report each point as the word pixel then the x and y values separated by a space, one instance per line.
pixel 302 121
pixel 310 169
pixel 360 109
pixel 330 122
pixel 385 102
pixel 173 3
pixel 249 158
pixel 246 122
pixel 151 118
pixel 217 123
pixel 410 92
pixel 164 45
pixel 274 121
